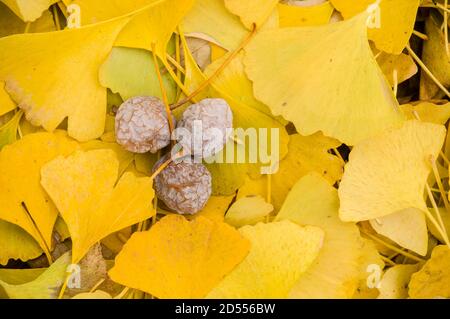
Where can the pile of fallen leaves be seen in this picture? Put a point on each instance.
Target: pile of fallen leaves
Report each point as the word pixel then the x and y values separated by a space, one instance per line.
pixel 358 208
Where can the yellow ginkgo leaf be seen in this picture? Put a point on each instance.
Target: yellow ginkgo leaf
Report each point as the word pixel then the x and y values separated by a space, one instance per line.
pixel 299 16
pixel 228 177
pixel 358 102
pixel 95 11
pixel 61 229
pixel 388 187
pixel 6 104
pixel 216 207
pixel 313 201
pixel 234 82
pixel 434 56
pixel 144 162
pixel 22 200
pixel 427 112
pixel 179 258
pixel 394 29
pixel 11 24
pixel 407 227
pixel 253 187
pixel 8 132
pixel 29 10
pixel 15 243
pixel 19 276
pixel 45 286
pixel 125 158
pixel 98 294
pixel 394 284
pixel 209 19
pixel 131 72
pixel 54 75
pixel 306 154
pixel 280 253
pixel 402 64
pixel 248 211
pixel 370 271
pixel 433 280
pixel 252 11
pixel 99 204
pixel 154 26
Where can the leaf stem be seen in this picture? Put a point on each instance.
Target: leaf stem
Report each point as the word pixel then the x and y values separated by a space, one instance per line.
pixel 420 35
pixel 439 182
pixel 392 247
pixel 439 225
pixel 97 285
pixel 27 27
pixel 227 61
pixel 56 17
pixel 122 293
pixel 427 71
pixel 176 64
pixel 163 91
pixel 388 261
pixel 395 81
pixel 64 286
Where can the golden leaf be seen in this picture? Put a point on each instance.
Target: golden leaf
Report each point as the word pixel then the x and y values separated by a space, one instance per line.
pixel 387 187
pixel 29 10
pixel 178 258
pixel 395 29
pixel 63 68
pixel 280 253
pixel 313 201
pixel 394 284
pixel 100 202
pixel 299 16
pixel 433 280
pixel 22 199
pixel 15 243
pixel 357 102
pixel 248 211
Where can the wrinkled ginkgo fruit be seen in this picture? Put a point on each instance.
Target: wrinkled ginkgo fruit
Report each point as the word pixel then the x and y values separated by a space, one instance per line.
pixel 205 127
pixel 290 68
pixel 177 258
pixel 183 186
pixel 142 125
